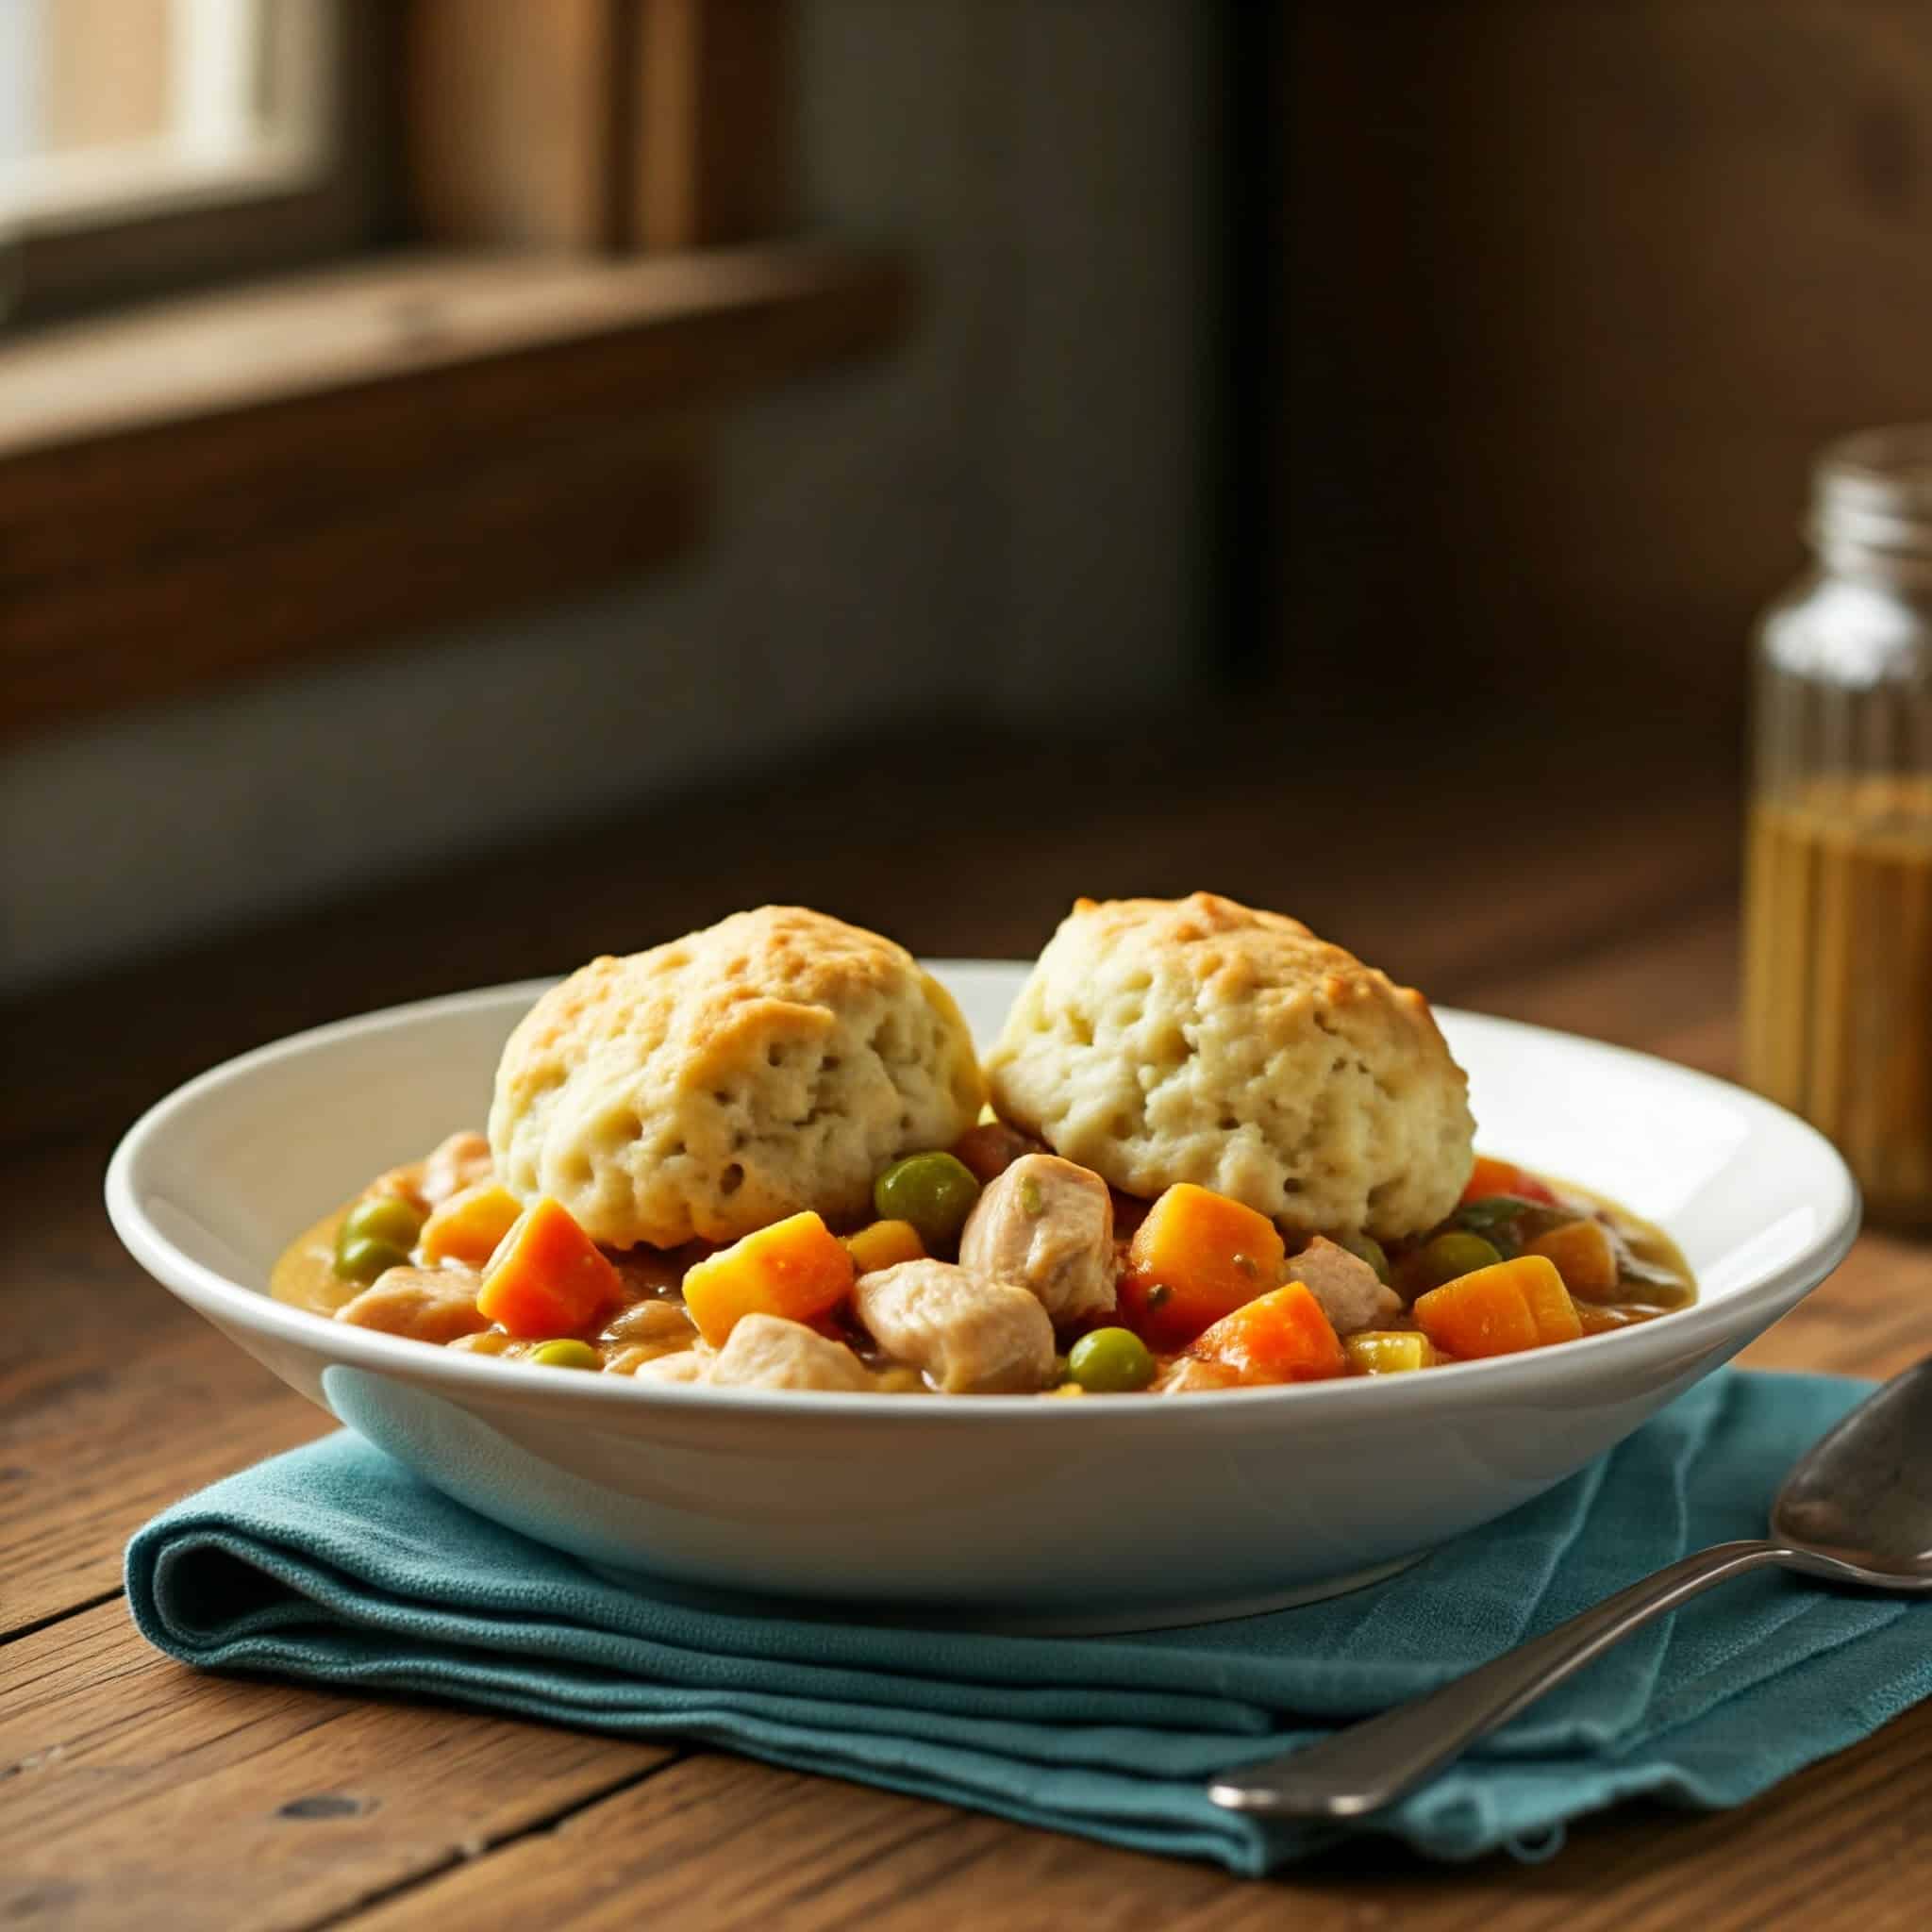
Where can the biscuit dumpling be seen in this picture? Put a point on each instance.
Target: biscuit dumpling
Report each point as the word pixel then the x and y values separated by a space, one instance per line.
pixel 773 1062
pixel 1195 1040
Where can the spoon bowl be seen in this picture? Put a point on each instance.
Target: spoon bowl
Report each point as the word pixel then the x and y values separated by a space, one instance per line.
pixel 1856 1508
pixel 1860 1499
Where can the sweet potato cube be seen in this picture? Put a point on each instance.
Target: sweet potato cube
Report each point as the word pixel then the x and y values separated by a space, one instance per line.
pixel 1499 1311
pixel 1197 1257
pixel 1550 1306
pixel 884 1245
pixel 548 1279
pixel 470 1225
pixel 1282 1336
pixel 796 1268
pixel 1389 1351
pixel 1585 1257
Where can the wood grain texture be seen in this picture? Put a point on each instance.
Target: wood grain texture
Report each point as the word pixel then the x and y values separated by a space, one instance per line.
pixel 133 1779
pixel 219 1801
pixel 195 492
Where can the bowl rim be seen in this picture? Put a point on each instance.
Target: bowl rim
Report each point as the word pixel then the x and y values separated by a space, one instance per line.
pixel 1680 1335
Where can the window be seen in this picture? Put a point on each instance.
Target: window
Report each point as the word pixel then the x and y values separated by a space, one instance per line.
pixel 115 109
pixel 146 146
pixel 538 242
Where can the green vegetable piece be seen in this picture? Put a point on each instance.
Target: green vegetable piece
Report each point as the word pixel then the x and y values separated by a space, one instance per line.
pixel 566 1355
pixel 934 1192
pixel 363 1258
pixel 381 1217
pixel 1367 1248
pixel 1455 1253
pixel 1111 1361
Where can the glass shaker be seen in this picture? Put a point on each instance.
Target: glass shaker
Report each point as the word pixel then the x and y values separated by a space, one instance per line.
pixel 1837 896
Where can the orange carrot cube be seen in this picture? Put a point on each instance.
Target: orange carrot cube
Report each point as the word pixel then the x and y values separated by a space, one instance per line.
pixel 469 1226
pixel 1585 1257
pixel 796 1268
pixel 1281 1336
pixel 1197 1257
pixel 1492 1177
pixel 1499 1311
pixel 548 1279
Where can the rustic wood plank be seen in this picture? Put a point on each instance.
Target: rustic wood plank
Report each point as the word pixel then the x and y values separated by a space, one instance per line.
pixel 114 1398
pixel 219 1800
pixel 107 1419
pixel 717 1841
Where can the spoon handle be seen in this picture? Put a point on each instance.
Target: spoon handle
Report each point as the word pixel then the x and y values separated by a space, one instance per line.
pixel 1374 1762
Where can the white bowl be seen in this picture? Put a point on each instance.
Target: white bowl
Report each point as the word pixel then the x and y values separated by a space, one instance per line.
pixel 1122 1512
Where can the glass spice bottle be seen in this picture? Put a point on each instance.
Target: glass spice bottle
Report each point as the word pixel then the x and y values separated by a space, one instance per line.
pixel 1838 906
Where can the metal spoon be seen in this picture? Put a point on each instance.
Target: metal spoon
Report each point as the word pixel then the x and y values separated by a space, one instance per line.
pixel 1856 1509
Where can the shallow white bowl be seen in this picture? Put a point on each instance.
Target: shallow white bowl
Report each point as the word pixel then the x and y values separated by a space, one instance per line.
pixel 1128 1511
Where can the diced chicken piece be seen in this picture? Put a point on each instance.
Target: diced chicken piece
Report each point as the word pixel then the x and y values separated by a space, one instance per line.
pixel 426 1304
pixel 970 1335
pixel 1188 1375
pixel 459 1162
pixel 769 1352
pixel 650 1322
pixel 1046 1225
pixel 688 1365
pixel 1350 1291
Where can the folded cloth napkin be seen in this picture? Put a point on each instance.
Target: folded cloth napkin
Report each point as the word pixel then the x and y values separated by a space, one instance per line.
pixel 334 1565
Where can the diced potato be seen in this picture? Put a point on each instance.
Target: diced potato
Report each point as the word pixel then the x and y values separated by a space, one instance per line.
pixel 548 1279
pixel 1584 1256
pixel 1197 1257
pixel 1279 1336
pixel 1499 1311
pixel 1389 1351
pixel 797 1268
pixel 884 1245
pixel 470 1225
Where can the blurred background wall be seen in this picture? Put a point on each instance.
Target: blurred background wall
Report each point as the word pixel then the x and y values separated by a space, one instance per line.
pixel 1573 289
pixel 1444 374
pixel 1001 521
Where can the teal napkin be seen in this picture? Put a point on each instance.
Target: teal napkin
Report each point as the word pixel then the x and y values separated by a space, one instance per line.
pixel 334 1565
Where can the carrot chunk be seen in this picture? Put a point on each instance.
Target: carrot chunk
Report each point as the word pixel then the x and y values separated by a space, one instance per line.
pixel 1585 1257
pixel 1492 1177
pixel 1499 1311
pixel 1281 1336
pixel 470 1225
pixel 1197 1257
pixel 796 1268
pixel 548 1278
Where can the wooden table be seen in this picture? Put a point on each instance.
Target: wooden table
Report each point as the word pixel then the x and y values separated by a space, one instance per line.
pixel 135 1792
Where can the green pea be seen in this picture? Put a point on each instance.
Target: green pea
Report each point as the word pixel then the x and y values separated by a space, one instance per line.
pixel 934 1192
pixel 566 1355
pixel 363 1258
pixel 1367 1248
pixel 1111 1361
pixel 381 1217
pixel 1455 1253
